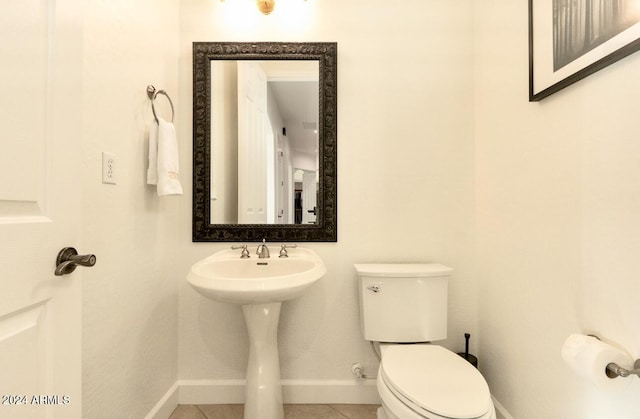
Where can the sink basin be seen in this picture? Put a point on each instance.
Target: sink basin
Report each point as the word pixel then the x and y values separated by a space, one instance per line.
pixel 260 286
pixel 226 278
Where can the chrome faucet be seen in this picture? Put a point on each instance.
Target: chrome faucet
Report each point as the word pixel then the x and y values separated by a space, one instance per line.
pixel 263 250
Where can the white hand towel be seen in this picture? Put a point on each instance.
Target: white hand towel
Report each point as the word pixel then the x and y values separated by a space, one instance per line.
pixel 152 171
pixel 166 161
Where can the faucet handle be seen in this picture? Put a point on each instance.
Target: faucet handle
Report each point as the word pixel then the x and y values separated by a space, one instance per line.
pixel 245 251
pixel 283 249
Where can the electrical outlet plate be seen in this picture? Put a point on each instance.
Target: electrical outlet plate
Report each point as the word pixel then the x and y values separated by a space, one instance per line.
pixel 108 168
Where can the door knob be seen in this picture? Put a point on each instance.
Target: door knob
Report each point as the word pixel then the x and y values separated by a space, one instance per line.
pixel 68 259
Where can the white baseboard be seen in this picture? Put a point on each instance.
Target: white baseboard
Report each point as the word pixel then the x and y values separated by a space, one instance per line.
pixel 166 405
pixel 330 391
pixel 293 391
pixel 501 412
pixel 211 391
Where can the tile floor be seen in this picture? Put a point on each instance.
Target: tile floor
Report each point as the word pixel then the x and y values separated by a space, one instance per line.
pixel 291 411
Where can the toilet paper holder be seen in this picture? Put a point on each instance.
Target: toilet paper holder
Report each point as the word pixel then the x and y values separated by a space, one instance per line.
pixel 614 370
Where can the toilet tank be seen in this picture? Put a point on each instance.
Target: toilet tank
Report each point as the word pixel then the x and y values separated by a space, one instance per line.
pixel 403 302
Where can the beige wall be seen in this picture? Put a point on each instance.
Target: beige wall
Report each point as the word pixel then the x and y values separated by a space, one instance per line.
pixel 129 333
pixel 405 164
pixel 557 223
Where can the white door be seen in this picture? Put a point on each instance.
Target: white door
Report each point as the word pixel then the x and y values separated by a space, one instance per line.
pixel 40 183
pixel 282 217
pixel 252 144
pixel 309 197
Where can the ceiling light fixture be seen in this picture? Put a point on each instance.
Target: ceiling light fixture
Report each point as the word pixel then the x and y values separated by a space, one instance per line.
pixel 265 6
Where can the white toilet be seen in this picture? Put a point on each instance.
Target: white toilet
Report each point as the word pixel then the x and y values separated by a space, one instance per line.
pixel 404 307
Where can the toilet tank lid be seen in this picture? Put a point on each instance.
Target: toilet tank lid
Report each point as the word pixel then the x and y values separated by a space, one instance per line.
pixel 403 270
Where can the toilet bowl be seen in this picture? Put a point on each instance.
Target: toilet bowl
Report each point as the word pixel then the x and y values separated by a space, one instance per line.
pixel 401 304
pixel 421 381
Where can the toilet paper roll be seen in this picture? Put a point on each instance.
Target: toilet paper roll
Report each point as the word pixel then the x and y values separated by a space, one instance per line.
pixel 588 357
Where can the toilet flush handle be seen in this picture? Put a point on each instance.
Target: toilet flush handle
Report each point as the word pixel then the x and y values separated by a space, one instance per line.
pixel 375 288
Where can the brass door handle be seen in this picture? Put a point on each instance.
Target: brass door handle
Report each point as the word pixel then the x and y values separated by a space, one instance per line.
pixel 68 259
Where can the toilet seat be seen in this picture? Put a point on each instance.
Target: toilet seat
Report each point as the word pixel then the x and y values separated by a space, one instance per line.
pixel 434 382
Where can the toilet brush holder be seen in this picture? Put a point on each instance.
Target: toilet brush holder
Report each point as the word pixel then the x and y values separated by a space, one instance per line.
pixel 466 355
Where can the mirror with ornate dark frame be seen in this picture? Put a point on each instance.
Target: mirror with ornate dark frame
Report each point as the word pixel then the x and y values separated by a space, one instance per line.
pixel 323 227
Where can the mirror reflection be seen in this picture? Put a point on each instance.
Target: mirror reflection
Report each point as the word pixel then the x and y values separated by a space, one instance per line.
pixel 264 141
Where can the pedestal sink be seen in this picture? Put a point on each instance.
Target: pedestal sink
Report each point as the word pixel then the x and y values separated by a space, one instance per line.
pixel 260 286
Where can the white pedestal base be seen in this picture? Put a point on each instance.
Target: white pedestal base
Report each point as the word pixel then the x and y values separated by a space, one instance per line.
pixel 263 391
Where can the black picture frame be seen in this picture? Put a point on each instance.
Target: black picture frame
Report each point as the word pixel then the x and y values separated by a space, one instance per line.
pixel 558 57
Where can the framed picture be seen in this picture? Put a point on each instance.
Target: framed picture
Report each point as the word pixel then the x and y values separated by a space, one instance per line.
pixel 571 39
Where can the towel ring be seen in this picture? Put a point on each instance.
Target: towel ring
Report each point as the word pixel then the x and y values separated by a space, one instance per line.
pixel 152 93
